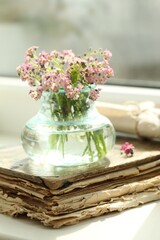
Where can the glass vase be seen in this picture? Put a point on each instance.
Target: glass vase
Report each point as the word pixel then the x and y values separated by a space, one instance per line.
pixel 67 132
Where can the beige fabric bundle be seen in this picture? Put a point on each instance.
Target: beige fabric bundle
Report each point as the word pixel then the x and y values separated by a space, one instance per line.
pixel 142 119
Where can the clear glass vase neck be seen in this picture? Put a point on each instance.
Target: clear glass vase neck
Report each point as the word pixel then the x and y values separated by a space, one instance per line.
pixel 58 107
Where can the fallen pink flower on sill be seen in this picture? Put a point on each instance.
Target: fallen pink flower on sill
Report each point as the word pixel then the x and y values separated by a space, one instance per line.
pixel 127 149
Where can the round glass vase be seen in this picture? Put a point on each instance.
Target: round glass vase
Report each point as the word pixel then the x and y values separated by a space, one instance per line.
pixel 67 132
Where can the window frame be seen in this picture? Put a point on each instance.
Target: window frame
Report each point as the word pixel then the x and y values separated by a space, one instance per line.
pixel 109 93
pixel 14 99
pixel 122 94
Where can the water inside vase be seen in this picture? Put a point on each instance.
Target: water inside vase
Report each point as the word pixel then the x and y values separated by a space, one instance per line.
pixel 68 148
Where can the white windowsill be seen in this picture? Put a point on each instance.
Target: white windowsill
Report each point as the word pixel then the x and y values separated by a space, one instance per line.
pixel 110 93
pixel 16 107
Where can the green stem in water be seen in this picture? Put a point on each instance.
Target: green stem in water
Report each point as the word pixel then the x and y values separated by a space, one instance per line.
pixel 72 110
pixel 88 135
pixel 101 138
pixel 99 143
pixel 96 142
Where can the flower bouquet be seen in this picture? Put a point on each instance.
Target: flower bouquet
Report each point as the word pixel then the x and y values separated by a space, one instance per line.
pixel 67 130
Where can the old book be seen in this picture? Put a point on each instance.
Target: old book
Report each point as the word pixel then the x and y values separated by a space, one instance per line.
pixel 62 196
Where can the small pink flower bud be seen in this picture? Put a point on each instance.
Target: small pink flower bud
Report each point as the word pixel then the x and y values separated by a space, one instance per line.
pixel 127 149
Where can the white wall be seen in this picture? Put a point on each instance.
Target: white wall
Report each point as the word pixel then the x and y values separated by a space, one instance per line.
pixel 128 28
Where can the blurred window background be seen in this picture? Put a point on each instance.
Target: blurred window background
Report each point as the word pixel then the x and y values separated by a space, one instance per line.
pixel 128 28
